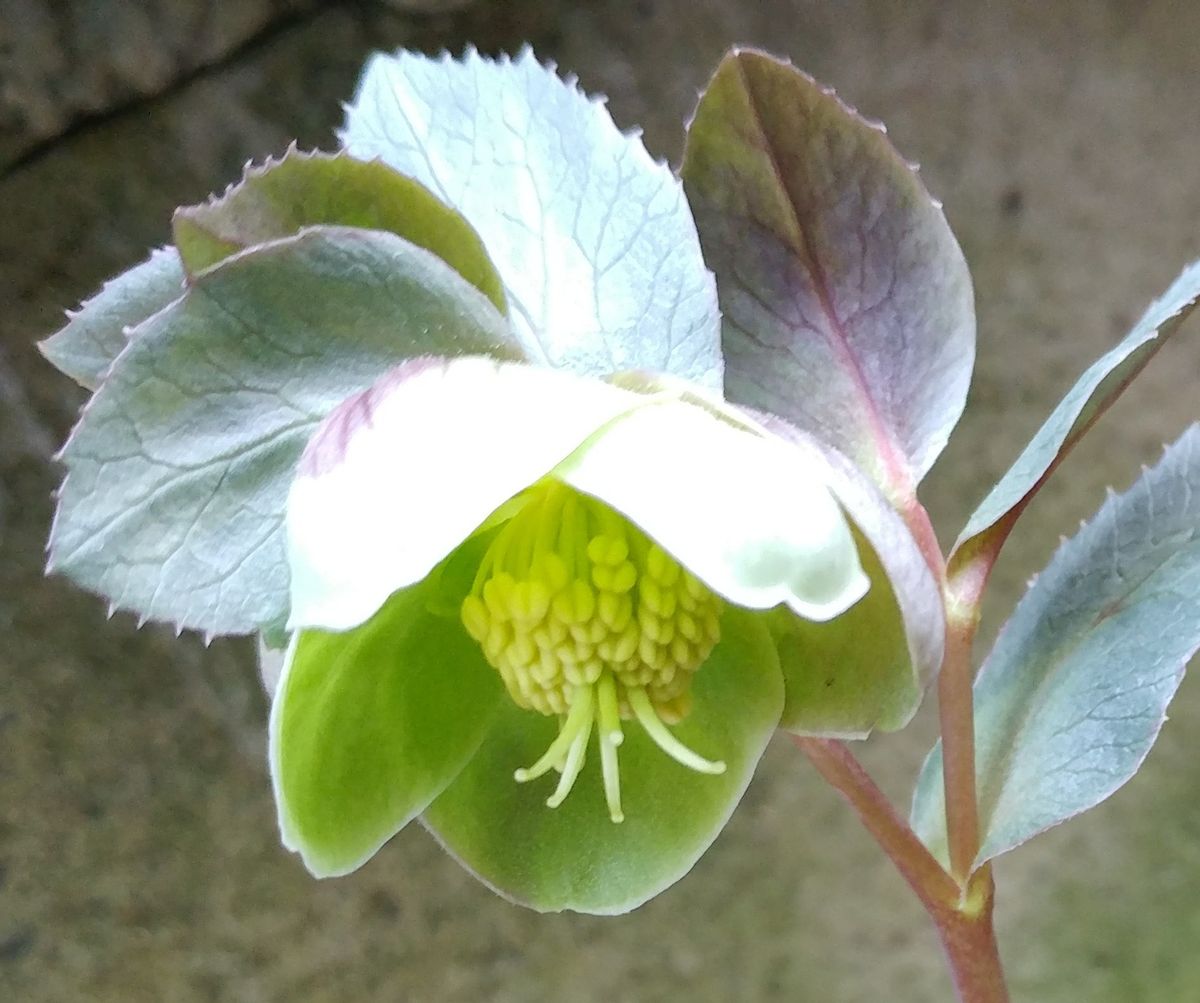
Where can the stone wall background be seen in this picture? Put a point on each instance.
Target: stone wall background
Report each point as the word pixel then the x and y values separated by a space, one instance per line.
pixel 138 855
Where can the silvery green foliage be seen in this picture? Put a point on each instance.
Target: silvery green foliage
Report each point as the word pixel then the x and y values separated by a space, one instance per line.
pixel 1072 697
pixel 847 311
pixel 593 239
pixel 847 302
pixel 1095 390
pixel 95 333
pixel 178 470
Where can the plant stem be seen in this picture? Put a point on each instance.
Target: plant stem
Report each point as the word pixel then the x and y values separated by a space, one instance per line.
pixel 962 915
pixel 960 901
pixel 968 937
pixel 956 713
pixel 956 700
pixel 837 764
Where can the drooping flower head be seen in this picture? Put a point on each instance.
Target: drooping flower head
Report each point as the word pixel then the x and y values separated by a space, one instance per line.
pixel 537 603
pixel 582 573
pixel 447 408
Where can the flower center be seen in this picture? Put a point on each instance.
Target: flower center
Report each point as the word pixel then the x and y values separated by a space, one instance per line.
pixel 585 617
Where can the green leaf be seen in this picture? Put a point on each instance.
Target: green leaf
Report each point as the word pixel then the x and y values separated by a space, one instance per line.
pixel 847 303
pixel 593 239
pixel 299 190
pixel 95 333
pixel 574 857
pixel 1072 697
pixel 1091 396
pixel 179 468
pixel 371 725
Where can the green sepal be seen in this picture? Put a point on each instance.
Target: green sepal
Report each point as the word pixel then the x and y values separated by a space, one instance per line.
pixel 869 667
pixel 573 857
pixel 370 725
pixel 282 197
pixel 850 675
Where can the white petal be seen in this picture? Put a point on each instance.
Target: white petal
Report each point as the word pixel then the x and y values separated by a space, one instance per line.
pixel 398 476
pixel 747 514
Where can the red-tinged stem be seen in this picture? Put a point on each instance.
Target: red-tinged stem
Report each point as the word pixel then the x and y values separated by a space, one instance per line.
pixel 963 916
pixel 968 937
pixel 959 902
pixel 956 701
pixel 967 577
pixel 837 764
pixel 956 713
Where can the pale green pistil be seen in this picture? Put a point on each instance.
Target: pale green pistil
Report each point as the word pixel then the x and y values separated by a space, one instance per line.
pixel 585 617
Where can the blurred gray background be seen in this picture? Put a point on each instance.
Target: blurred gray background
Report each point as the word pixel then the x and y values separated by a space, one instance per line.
pixel 138 854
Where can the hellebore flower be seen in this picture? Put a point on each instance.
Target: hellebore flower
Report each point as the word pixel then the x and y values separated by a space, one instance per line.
pixel 500 571
pixel 449 406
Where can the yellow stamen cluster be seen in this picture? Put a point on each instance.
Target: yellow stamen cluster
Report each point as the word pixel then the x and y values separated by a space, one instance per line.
pixel 584 616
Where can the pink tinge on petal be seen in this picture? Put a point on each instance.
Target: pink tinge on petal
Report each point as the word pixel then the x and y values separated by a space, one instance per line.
pixel 398 476
pixel 327 448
